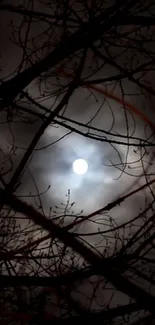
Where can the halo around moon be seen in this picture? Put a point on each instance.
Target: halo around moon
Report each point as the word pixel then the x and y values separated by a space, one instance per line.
pixel 80 166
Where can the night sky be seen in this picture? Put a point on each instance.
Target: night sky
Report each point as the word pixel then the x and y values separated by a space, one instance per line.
pixel 120 154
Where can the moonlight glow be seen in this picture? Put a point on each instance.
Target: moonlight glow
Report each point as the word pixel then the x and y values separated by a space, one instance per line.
pixel 80 166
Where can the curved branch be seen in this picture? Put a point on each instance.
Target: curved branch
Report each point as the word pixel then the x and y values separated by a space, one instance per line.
pixel 101 266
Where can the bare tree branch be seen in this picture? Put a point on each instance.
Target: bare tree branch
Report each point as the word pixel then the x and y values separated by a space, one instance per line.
pixel 103 266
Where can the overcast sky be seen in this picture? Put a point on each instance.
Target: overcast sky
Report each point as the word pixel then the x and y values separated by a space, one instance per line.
pixel 53 165
pixel 113 169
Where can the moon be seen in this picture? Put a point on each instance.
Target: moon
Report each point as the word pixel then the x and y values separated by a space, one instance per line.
pixel 80 166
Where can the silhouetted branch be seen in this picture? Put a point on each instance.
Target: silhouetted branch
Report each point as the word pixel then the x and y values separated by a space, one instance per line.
pixel 87 34
pixel 98 265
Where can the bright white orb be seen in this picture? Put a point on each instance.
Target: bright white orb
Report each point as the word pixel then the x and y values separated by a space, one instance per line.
pixel 80 166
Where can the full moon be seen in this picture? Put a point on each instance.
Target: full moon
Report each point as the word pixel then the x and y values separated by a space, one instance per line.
pixel 80 166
